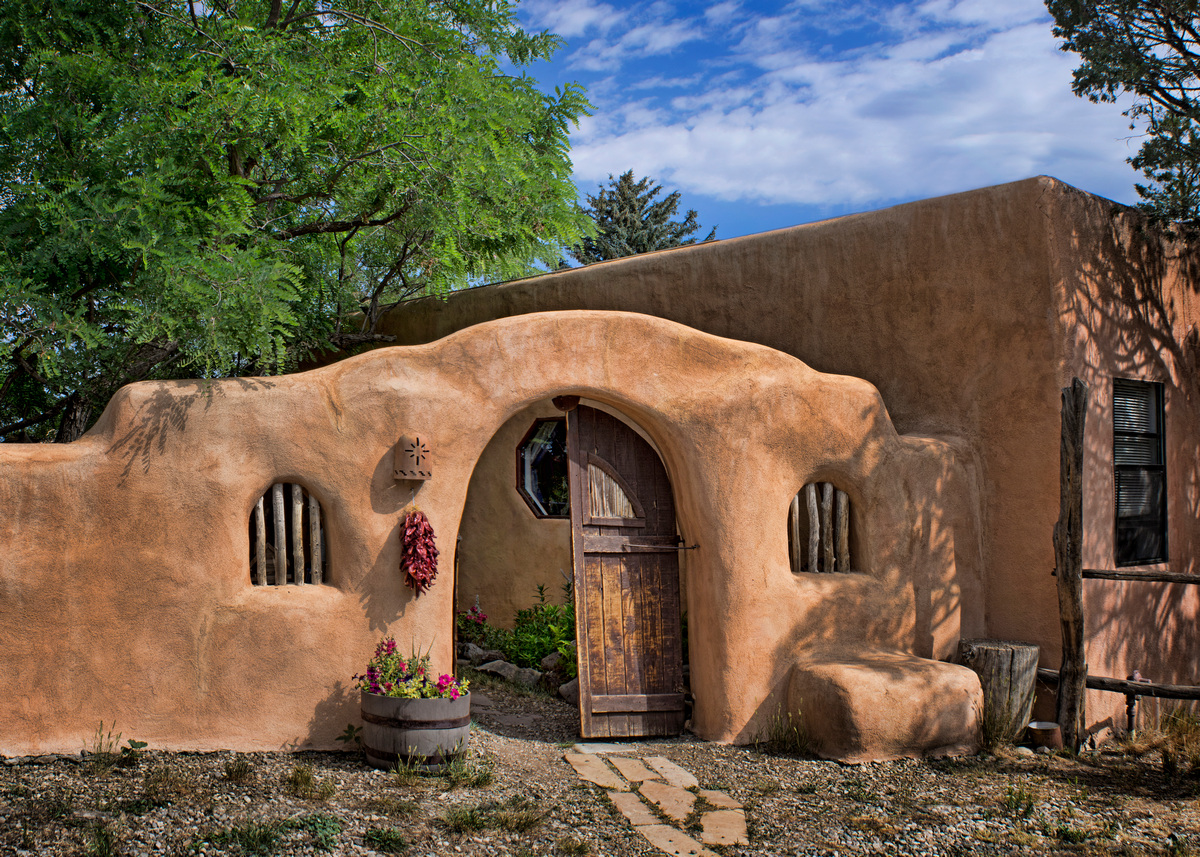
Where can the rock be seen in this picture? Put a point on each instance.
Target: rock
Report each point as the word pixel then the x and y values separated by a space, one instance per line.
pixel 1023 751
pixel 1043 751
pixel 551 661
pixel 527 677
pixel 499 667
pixel 570 691
pixel 483 656
pixel 472 653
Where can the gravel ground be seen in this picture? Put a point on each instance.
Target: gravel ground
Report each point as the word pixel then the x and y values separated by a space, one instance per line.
pixel 516 796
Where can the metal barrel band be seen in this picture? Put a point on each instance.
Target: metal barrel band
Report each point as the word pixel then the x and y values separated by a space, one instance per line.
pixel 454 723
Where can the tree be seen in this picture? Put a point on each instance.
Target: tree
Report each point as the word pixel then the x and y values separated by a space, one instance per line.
pixel 1151 50
pixel 629 221
pixel 219 188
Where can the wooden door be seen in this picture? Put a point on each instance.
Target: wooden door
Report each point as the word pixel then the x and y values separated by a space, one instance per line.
pixel 626 559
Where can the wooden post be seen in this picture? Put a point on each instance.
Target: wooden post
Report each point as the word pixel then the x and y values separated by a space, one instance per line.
pixel 827 525
pixel 1068 559
pixel 794 529
pixel 314 538
pixel 814 527
pixel 842 502
pixel 298 533
pixel 260 544
pixel 280 534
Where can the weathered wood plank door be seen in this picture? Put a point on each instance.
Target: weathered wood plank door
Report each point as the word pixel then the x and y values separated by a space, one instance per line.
pixel 626 560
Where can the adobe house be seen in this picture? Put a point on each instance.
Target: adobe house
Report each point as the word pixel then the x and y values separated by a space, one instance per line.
pixel 835 447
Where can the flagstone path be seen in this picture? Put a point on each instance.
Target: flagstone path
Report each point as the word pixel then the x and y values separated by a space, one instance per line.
pixel 651 791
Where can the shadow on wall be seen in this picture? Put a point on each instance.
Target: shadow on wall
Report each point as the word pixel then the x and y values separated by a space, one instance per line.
pixel 389 497
pixel 1134 308
pixel 163 412
pixel 934 554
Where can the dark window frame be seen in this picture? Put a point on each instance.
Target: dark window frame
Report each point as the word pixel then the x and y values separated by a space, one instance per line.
pixel 533 503
pixel 1140 539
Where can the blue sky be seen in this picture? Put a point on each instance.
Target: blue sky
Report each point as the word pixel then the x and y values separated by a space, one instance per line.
pixel 769 114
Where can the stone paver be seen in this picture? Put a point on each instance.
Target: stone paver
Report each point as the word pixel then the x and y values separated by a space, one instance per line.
pixel 675 802
pixel 724 827
pixel 631 807
pixel 720 799
pixel 633 769
pixel 674 842
pixel 592 768
pixel 672 773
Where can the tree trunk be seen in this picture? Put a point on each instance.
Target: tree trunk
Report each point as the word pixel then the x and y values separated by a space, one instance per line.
pixel 74 419
pixel 1007 672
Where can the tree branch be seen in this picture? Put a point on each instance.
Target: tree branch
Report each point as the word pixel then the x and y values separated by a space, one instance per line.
pixel 33 421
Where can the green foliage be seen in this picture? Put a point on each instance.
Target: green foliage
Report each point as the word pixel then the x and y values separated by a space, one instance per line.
pixel 537 631
pixel 515 815
pixel 629 220
pixel 323 829
pixel 387 840
pixel 213 189
pixel 239 770
pixel 1019 801
pixel 301 783
pixel 1147 49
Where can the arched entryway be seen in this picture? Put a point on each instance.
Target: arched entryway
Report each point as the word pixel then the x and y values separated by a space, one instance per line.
pixel 626 573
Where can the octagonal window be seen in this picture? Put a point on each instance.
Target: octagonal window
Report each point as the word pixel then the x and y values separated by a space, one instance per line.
pixel 542 469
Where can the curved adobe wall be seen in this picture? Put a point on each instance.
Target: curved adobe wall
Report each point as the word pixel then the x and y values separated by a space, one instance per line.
pixel 124 572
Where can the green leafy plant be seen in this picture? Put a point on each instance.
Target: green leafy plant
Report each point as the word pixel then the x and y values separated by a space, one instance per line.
pixel 387 840
pixel 323 829
pixel 469 772
pixel 253 837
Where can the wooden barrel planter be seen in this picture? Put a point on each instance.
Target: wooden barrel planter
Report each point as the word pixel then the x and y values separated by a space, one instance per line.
pixel 425 732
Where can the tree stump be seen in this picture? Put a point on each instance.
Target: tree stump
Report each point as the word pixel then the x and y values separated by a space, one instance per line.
pixel 1007 672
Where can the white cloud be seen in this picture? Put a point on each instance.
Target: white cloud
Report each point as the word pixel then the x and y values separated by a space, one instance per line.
pixel 946 96
pixel 569 18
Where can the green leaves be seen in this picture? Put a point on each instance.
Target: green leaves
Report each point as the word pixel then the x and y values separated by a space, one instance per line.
pixel 231 190
pixel 1149 49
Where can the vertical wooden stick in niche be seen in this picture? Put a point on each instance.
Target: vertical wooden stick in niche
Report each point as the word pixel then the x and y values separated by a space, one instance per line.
pixel 842 501
pixel 298 533
pixel 314 538
pixel 827 525
pixel 814 527
pixel 260 544
pixel 794 529
pixel 280 534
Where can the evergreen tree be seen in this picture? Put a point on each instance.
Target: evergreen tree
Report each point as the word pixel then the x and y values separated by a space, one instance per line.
pixel 630 221
pixel 218 188
pixel 1149 49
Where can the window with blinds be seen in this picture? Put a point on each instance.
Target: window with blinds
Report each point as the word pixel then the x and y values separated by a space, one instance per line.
pixel 1140 473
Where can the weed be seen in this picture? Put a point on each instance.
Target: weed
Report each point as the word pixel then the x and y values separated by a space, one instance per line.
pixel 162 784
pixel 103 843
pixel 1074 835
pixel 856 791
pixel 253 837
pixel 472 773
pixel 570 846
pixel 102 754
pixel 394 806
pixel 466 819
pixel 407 772
pixel 131 753
pixel 301 783
pixel 784 734
pixel 518 815
pixel 766 786
pixel 239 770
pixel 323 829
pixel 1019 801
pixel 385 839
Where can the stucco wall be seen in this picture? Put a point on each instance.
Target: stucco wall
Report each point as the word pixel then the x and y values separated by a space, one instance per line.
pixel 124 579
pixel 969 313
pixel 1129 308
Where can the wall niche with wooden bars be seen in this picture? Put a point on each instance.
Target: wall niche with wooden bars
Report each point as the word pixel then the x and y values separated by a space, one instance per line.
pixel 287 538
pixel 820 529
